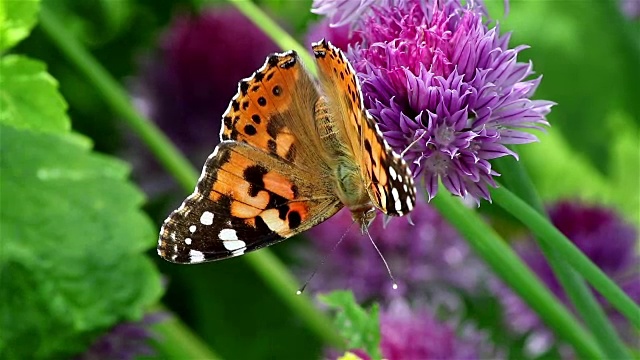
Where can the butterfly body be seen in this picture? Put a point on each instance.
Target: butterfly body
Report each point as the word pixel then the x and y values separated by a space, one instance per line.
pixel 293 153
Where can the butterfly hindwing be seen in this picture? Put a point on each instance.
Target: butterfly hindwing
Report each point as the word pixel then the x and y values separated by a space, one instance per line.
pixel 245 199
pixel 385 174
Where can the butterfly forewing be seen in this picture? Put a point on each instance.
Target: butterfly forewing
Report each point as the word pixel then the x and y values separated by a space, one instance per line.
pixel 385 174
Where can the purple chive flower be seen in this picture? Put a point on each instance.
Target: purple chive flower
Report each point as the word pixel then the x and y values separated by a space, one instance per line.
pixel 187 85
pixel 601 235
pixel 408 333
pixel 436 75
pixel 125 341
pixel 426 258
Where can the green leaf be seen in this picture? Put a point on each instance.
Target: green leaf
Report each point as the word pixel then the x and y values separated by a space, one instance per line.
pixel 360 328
pixel 73 238
pixel 29 96
pixel 17 18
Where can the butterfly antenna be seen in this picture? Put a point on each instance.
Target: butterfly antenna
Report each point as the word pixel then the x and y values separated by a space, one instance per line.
pixel 413 143
pixel 395 285
pixel 324 259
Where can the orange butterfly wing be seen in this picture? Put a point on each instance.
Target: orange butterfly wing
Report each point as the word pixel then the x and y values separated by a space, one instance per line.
pixel 385 174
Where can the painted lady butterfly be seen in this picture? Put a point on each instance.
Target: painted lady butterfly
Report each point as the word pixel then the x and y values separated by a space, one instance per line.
pixel 293 153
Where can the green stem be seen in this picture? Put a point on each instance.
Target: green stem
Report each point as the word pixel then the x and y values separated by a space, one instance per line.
pixel 513 272
pixel 553 238
pixel 286 286
pixel 584 301
pixel 177 341
pixel 266 265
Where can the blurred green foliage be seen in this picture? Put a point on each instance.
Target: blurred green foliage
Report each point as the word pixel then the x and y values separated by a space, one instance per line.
pixel 359 327
pixel 590 68
pixel 73 235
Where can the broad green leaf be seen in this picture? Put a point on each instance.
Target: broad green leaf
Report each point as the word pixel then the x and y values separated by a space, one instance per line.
pixel 73 237
pixel 16 20
pixel 29 96
pixel 361 329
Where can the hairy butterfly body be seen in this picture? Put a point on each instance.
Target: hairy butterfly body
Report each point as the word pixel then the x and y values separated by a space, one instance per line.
pixel 292 154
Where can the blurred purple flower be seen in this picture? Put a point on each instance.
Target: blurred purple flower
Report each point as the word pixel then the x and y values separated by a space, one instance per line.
pixel 426 258
pixel 418 334
pixel 187 83
pixel 631 9
pixel 603 237
pixel 437 76
pixel 125 341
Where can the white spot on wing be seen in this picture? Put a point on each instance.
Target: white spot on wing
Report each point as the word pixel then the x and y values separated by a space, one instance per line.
pixel 409 204
pixel 230 241
pixel 192 228
pixel 238 252
pixel 396 198
pixel 187 241
pixel 233 245
pixel 392 172
pixel 228 235
pixel 206 218
pixel 196 256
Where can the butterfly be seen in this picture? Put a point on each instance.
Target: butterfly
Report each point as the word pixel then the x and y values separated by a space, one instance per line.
pixel 293 152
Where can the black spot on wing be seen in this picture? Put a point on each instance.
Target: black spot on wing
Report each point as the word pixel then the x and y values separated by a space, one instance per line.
pixel 250 130
pixel 244 87
pixel 294 219
pixel 254 176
